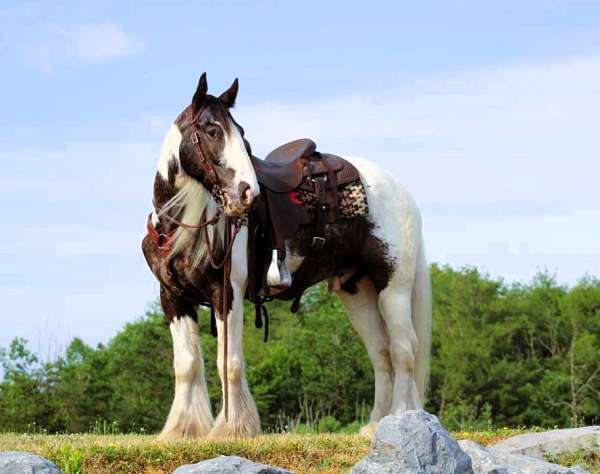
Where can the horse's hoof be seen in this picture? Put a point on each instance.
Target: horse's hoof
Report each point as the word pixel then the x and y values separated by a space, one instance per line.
pixel 188 430
pixel 178 435
pixel 237 428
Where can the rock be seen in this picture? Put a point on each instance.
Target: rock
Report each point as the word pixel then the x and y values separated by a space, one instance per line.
pixel 414 442
pixel 229 465
pixel 552 443
pixel 20 462
pixel 493 461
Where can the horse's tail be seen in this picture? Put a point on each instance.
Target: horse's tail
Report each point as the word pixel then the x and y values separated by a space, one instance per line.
pixel 421 319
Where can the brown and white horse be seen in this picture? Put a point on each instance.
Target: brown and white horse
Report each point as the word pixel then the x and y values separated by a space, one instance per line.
pixel 205 166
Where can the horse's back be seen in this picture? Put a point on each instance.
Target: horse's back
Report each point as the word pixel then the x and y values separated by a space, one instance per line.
pixel 389 202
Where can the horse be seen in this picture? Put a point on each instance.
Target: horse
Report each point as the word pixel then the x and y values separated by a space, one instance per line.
pixel 206 178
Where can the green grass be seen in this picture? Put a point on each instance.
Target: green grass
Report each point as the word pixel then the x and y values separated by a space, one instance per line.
pixel 323 453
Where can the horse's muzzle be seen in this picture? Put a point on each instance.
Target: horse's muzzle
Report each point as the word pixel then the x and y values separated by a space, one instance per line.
pixel 239 202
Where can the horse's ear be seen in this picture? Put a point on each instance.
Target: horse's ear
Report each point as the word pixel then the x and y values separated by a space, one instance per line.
pixel 200 94
pixel 228 97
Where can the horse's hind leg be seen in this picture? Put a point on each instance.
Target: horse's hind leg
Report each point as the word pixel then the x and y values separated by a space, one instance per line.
pixel 396 310
pixel 190 414
pixel 364 315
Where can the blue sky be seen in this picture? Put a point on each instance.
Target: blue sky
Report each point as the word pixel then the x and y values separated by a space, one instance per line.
pixel 487 113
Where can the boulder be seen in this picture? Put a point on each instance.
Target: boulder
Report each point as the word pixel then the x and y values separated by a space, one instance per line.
pixel 493 461
pixel 20 462
pixel 413 443
pixel 552 443
pixel 229 465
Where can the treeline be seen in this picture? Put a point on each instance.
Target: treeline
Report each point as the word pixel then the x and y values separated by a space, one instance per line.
pixel 503 355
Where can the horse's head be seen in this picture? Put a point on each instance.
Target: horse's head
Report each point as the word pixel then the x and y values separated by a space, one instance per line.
pixel 213 151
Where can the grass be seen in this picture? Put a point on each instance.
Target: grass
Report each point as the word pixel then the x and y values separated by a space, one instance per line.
pixel 323 453
pixel 86 453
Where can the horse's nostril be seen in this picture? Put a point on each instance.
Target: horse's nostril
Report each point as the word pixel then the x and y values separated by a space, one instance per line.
pixel 247 197
pixel 246 194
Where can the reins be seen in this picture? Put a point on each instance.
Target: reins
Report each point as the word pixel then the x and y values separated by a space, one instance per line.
pixel 212 220
pixel 227 255
pixel 228 242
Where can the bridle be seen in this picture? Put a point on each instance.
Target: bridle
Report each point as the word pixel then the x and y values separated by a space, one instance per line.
pixel 228 239
pixel 207 166
pixel 217 194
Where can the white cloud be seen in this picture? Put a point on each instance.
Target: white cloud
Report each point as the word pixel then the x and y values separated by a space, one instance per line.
pixel 99 42
pixel 89 43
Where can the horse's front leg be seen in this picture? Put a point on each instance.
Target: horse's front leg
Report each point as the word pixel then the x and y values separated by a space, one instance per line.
pixel 190 414
pixel 242 419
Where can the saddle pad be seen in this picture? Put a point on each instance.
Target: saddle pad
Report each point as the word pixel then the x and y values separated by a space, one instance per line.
pixel 352 200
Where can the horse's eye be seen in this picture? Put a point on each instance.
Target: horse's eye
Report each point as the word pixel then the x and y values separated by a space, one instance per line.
pixel 212 132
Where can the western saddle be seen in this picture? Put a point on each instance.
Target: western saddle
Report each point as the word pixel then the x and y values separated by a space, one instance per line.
pixel 289 171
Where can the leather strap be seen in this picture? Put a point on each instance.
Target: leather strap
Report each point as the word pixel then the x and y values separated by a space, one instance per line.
pixel 162 241
pixel 207 166
pixel 210 221
pixel 225 307
pixel 321 213
pixel 333 205
pixel 228 241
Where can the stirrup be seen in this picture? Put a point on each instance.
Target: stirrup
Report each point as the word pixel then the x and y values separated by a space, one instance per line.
pixel 278 273
pixel 286 277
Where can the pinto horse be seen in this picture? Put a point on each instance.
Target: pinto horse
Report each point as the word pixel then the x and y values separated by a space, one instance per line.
pixel 205 177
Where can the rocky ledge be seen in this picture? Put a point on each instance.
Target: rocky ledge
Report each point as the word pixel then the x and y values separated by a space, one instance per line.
pixel 416 443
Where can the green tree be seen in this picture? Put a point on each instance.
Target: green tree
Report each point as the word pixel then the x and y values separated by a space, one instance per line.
pixel 521 354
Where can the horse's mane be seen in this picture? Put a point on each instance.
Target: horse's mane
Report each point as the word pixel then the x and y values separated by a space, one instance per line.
pixel 193 204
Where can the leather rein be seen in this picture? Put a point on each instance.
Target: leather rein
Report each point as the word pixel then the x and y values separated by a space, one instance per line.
pixel 228 240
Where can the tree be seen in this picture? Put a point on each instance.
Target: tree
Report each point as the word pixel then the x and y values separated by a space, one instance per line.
pixel 521 354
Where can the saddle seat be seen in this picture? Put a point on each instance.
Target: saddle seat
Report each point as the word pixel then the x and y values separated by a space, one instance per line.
pixel 292 151
pixel 284 168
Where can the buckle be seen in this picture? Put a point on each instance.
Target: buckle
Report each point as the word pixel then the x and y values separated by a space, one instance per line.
pixel 318 242
pixel 217 195
pixel 194 137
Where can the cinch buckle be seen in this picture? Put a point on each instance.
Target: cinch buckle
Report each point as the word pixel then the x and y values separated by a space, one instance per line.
pixel 318 242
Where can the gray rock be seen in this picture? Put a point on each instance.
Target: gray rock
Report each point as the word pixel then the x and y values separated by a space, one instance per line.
pixel 413 443
pixel 493 461
pixel 552 443
pixel 229 465
pixel 20 462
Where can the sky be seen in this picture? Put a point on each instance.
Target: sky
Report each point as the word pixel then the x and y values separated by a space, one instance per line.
pixel 488 113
